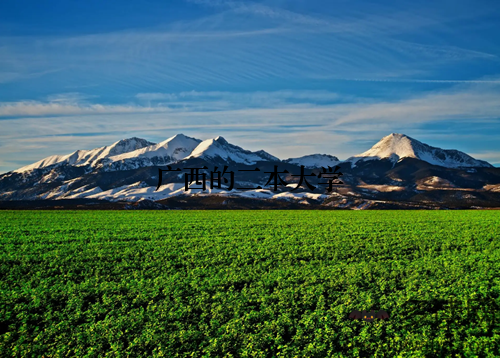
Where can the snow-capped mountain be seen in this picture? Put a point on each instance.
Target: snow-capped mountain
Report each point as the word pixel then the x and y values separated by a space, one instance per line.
pixel 89 157
pixel 396 146
pixel 314 161
pixel 128 171
pixel 177 147
pixel 169 151
pixel 220 148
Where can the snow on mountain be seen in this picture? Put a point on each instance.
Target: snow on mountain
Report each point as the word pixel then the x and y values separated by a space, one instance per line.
pixel 82 192
pixel 88 157
pixel 177 147
pixel 396 146
pixel 220 148
pixel 63 181
pixel 314 161
pixel 267 156
pixel 170 150
pixel 140 191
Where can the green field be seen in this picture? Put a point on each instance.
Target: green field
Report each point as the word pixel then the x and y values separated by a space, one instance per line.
pixel 249 283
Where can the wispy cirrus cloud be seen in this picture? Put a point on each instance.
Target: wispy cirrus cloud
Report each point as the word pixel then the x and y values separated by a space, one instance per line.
pixel 248 43
pixel 464 101
pixel 471 102
pixel 242 99
pixel 282 126
pixel 6 77
pixel 492 157
pixel 73 104
pixel 266 11
pixel 58 108
pixel 354 72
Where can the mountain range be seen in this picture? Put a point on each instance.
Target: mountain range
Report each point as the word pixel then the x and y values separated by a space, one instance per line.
pixel 397 172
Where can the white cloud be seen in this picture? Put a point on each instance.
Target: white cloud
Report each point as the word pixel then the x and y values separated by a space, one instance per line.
pixel 260 98
pixel 286 129
pixel 267 11
pixel 248 43
pixel 60 107
pixel 463 102
pixel 489 156
pixel 16 75
pixel 473 102
pixel 73 104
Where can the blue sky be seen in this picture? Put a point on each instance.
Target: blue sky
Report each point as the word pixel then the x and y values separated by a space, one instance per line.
pixel 292 77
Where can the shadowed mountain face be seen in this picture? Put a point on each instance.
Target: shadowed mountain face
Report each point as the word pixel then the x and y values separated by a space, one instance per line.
pixel 397 172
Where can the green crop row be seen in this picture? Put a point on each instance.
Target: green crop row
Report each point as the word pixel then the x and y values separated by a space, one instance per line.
pixel 249 283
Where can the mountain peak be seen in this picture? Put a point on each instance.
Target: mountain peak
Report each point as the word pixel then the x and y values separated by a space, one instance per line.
pixel 221 140
pixel 179 139
pixel 393 145
pixel 88 157
pixel 170 150
pixel 180 136
pixel 131 139
pixel 397 135
pixel 128 145
pixel 396 146
pixel 218 147
pixel 314 160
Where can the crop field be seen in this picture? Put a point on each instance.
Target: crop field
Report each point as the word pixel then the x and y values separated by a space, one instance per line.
pixel 249 283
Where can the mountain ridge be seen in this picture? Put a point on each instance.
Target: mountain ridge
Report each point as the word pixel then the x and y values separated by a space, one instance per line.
pixel 87 157
pixel 394 171
pixel 394 146
pixel 220 147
